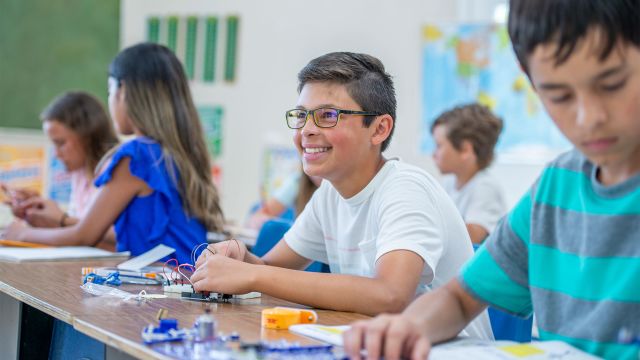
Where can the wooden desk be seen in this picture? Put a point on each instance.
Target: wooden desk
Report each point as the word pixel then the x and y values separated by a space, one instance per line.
pixel 54 288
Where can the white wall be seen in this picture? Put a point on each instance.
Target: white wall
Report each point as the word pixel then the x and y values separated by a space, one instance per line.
pixel 278 37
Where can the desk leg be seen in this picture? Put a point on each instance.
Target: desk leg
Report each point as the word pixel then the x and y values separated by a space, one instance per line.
pixel 9 326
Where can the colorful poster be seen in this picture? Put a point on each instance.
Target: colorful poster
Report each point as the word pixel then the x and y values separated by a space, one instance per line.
pixel 59 182
pixel 279 163
pixel 475 63
pixel 211 119
pixel 22 166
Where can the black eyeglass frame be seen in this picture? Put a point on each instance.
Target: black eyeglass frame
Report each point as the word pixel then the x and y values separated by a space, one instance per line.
pixel 313 114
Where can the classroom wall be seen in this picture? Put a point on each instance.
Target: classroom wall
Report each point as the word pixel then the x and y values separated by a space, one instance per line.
pixel 278 37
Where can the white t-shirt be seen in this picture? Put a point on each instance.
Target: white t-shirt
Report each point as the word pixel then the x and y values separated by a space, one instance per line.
pixel 480 201
pixel 402 208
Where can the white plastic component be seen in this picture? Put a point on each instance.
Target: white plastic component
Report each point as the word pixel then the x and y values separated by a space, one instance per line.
pixel 251 295
pixel 178 289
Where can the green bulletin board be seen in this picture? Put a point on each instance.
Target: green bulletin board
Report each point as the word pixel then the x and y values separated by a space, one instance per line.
pixel 48 47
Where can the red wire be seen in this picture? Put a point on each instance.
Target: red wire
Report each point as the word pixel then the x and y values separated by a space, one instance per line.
pixel 173 269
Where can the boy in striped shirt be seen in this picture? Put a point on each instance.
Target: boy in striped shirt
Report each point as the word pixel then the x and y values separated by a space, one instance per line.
pixel 570 249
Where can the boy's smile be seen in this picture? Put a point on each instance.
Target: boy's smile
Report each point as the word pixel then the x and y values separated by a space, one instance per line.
pixel 344 154
pixel 594 102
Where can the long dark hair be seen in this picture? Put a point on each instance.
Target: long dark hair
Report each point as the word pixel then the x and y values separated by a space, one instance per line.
pixel 160 106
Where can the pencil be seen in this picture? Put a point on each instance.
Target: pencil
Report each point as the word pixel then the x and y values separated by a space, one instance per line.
pixel 14 243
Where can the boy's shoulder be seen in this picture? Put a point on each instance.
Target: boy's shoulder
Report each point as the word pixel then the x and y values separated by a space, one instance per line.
pixel 572 160
pixel 404 178
pixel 399 171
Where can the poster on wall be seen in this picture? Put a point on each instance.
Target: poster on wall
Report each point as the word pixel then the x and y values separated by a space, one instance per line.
pixel 22 166
pixel 211 119
pixel 59 182
pixel 475 63
pixel 279 164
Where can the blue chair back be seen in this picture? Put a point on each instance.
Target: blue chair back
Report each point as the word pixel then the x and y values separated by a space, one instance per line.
pixel 509 327
pixel 289 213
pixel 271 232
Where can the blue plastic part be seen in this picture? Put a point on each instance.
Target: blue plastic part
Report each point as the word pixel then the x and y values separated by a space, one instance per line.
pixel 165 325
pixel 111 279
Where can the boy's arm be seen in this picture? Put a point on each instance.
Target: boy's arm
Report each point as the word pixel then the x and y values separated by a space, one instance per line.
pixel 477 233
pixel 390 290
pixel 434 317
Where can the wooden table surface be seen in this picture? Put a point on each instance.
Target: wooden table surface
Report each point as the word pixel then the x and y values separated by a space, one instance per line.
pixel 54 288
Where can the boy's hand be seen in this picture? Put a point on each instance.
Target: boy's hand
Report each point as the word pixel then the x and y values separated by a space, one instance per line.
pixel 231 248
pixel 42 213
pixel 222 274
pixel 389 336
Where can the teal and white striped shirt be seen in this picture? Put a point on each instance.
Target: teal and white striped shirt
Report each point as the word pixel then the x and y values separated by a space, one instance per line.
pixel 570 250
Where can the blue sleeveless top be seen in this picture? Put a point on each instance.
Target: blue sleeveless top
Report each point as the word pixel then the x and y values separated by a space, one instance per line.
pixel 158 218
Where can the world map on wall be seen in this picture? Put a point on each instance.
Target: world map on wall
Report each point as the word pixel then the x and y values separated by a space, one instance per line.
pixel 475 63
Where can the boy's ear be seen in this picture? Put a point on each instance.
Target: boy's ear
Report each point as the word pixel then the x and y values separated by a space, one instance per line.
pixel 466 148
pixel 382 125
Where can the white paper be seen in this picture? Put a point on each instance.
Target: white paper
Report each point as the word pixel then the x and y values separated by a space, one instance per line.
pixel 55 253
pixel 485 350
pixel 147 258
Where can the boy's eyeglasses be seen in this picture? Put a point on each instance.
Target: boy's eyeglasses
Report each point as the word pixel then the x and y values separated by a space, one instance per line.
pixel 323 117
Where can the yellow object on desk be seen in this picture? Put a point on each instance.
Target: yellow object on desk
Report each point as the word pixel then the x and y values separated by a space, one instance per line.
pixel 283 317
pixel 14 243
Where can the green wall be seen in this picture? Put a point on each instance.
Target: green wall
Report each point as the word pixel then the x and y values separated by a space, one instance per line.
pixel 51 46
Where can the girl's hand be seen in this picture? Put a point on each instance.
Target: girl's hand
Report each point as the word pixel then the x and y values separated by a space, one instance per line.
pixel 231 248
pixel 15 231
pixel 15 199
pixel 388 336
pixel 222 274
pixel 43 213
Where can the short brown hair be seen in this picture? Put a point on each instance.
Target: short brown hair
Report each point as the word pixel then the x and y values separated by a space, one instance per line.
pixel 365 78
pixel 474 123
pixel 84 115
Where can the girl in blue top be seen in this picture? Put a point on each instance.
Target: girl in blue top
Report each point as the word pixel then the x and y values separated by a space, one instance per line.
pixel 156 188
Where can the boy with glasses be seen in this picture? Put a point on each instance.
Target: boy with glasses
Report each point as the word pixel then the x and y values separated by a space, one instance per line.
pixel 387 229
pixel 570 249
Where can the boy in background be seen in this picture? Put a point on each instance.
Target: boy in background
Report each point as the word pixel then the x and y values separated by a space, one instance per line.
pixel 570 249
pixel 465 137
pixel 387 229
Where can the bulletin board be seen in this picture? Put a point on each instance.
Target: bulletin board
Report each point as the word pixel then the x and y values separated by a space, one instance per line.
pixel 48 47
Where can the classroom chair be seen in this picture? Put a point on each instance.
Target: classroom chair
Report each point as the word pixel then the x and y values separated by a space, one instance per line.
pixel 270 233
pixel 288 215
pixel 509 327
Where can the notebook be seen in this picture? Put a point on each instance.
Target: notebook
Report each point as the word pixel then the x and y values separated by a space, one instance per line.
pixel 14 254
